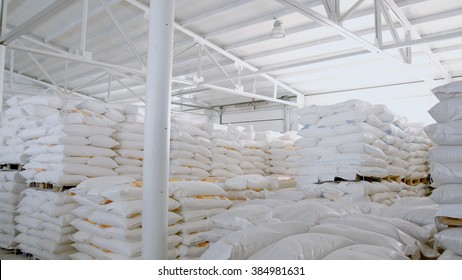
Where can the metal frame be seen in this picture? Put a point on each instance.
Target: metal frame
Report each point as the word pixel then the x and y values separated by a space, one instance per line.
pixel 220 57
pixel 236 60
pixel 352 14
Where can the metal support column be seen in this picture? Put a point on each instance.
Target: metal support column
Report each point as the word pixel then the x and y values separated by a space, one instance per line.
pixel 157 129
pixel 3 10
pixel 2 74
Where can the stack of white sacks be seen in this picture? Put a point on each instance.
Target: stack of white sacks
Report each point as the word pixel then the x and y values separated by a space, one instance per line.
pixel 174 228
pixel 190 156
pixel 339 142
pixel 348 139
pixel 12 138
pixel 395 148
pixel 282 154
pixel 199 201
pixel 108 218
pixel 72 144
pixel 11 186
pixel 44 224
pixel 13 121
pixel 254 157
pixel 418 145
pixel 226 151
pixel 446 164
pixel 312 229
pixel 246 187
pixel 130 135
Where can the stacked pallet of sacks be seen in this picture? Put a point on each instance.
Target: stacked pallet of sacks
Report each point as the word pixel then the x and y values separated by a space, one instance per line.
pixel 446 165
pixel 349 141
pixel 174 228
pixel 11 186
pixel 130 135
pixel 338 142
pixel 226 151
pixel 73 144
pixel 43 223
pixel 254 157
pixel 190 155
pixel 199 201
pixel 246 187
pixel 13 121
pixel 418 145
pixel 108 218
pixel 282 155
pixel 395 149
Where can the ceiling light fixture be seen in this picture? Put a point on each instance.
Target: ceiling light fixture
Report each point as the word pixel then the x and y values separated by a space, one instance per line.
pixel 277 32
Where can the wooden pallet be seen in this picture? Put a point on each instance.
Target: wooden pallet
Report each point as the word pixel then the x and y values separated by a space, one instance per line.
pixel 393 178
pixel 49 186
pixel 452 222
pixel 416 181
pixel 13 251
pixel 368 179
pixel 11 166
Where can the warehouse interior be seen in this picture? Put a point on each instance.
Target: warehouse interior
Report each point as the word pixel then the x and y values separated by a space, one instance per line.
pixel 278 77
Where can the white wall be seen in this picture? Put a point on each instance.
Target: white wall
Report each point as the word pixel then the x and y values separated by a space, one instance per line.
pixel 411 100
pixel 264 116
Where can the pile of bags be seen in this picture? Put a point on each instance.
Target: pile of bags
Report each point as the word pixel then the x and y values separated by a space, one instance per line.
pixel 130 135
pixel 108 218
pixel 339 142
pixel 245 187
pixel 174 228
pixel 446 165
pixel 12 138
pixel 11 186
pixel 226 151
pixel 198 202
pixel 313 229
pixel 282 155
pixel 354 139
pixel 72 144
pixel 417 145
pixel 44 224
pixel 384 192
pixel 190 155
pixel 254 157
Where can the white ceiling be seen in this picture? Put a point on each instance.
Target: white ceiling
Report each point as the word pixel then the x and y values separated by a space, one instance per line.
pixel 312 59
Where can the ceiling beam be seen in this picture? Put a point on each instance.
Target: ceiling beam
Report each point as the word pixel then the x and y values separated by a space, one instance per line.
pixel 213 12
pixel 234 58
pixel 305 62
pixel 299 29
pixel 70 57
pixel 48 85
pixel 77 22
pixel 296 6
pixel 220 50
pixel 415 35
pixel 122 32
pixel 247 94
pixel 35 20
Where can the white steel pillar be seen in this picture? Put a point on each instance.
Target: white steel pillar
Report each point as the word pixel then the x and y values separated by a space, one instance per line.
pixel 157 129
pixel 2 74
pixel 3 13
